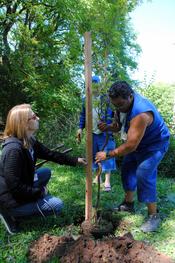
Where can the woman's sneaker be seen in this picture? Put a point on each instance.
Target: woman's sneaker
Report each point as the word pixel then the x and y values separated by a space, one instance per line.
pixel 11 225
pixel 151 224
pixel 125 207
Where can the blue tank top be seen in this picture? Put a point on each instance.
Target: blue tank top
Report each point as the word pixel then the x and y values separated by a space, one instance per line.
pixel 157 135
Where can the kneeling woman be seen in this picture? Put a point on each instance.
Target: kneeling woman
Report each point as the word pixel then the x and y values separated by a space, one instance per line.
pixel 23 189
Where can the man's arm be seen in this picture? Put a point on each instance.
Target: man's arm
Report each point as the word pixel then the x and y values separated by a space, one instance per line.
pixel 135 134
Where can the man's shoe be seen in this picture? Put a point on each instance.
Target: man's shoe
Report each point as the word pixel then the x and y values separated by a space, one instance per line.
pixel 125 207
pixel 11 225
pixel 151 224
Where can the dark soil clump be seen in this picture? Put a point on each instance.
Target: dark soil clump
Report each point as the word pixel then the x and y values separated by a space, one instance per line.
pixel 98 230
pixel 88 250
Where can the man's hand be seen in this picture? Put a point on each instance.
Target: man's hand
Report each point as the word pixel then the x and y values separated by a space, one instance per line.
pixel 100 156
pixel 79 135
pixel 82 161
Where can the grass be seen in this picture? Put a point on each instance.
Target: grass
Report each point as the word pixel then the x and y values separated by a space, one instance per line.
pixel 69 184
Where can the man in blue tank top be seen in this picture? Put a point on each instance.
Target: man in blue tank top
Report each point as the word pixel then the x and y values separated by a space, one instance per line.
pixel 146 143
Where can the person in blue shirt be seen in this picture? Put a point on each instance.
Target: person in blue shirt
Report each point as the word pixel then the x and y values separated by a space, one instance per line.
pixel 146 143
pixel 100 111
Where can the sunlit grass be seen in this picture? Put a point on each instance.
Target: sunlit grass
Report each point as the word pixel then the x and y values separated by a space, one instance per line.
pixel 69 184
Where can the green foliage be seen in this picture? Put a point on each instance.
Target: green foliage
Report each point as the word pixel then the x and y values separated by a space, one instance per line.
pixel 166 166
pixel 114 47
pixel 61 129
pixel 163 96
pixel 42 47
pixel 12 92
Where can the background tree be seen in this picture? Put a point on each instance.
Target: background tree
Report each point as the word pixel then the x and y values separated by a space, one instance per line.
pixel 42 50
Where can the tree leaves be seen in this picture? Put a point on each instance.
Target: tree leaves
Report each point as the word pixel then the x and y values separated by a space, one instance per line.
pixel 43 47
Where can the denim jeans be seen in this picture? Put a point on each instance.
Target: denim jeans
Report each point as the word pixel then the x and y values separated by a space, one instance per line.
pixel 45 206
pixel 139 171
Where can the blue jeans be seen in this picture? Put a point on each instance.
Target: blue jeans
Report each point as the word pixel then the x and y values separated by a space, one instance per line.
pixel 139 170
pixel 48 205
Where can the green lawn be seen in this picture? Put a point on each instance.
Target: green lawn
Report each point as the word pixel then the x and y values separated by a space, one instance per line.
pixel 69 184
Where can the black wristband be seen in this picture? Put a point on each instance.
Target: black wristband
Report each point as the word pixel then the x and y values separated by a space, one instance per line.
pixel 107 155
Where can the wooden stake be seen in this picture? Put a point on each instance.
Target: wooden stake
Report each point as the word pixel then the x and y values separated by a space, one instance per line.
pixel 88 83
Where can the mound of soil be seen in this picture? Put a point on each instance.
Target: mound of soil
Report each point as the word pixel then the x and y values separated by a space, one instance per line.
pixel 88 250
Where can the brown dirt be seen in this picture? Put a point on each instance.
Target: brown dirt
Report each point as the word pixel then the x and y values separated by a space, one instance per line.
pixel 88 250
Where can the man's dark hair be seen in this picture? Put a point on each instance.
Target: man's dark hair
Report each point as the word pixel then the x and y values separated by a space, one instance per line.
pixel 120 89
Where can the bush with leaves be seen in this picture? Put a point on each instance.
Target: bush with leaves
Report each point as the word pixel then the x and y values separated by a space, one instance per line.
pixel 163 96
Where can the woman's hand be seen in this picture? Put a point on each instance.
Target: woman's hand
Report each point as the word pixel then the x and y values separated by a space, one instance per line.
pixel 102 126
pixel 100 156
pixel 82 161
pixel 113 127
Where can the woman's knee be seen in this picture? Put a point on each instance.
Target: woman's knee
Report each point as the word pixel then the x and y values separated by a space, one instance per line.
pixel 44 175
pixel 51 204
pixel 59 208
pixel 46 171
pixel 57 204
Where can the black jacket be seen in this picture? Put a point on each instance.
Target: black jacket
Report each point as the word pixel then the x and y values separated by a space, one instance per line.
pixel 17 170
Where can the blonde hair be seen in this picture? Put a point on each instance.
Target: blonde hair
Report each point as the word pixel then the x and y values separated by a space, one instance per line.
pixel 17 123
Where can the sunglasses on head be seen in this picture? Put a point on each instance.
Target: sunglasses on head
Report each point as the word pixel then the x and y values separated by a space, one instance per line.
pixel 34 117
